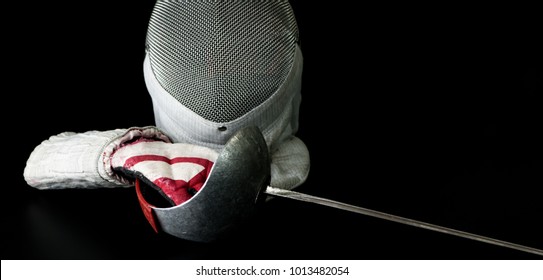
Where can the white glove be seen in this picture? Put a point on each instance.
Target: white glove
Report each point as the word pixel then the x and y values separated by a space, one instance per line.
pixel 176 171
pixel 82 160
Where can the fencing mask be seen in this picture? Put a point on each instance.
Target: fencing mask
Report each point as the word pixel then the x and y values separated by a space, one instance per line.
pixel 214 67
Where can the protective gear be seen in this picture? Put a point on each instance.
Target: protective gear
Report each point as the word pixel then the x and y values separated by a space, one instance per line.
pixel 82 160
pixel 176 171
pixel 214 67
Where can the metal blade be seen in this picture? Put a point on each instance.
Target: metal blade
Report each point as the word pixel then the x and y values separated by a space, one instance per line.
pixel 335 204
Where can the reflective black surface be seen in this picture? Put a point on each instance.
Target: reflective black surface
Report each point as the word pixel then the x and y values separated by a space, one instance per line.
pixel 432 114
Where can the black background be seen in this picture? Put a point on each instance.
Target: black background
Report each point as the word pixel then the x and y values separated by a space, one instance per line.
pixel 428 112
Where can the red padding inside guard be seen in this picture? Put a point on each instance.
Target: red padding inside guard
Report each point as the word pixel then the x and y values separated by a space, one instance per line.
pixel 146 207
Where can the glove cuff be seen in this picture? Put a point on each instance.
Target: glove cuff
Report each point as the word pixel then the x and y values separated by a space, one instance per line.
pixel 104 162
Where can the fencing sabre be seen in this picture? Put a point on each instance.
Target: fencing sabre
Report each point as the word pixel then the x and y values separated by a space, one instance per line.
pixel 238 181
pixel 284 193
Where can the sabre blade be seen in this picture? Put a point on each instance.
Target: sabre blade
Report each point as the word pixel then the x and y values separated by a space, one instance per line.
pixel 398 219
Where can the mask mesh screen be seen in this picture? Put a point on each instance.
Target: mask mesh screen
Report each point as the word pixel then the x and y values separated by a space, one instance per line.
pixel 221 59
